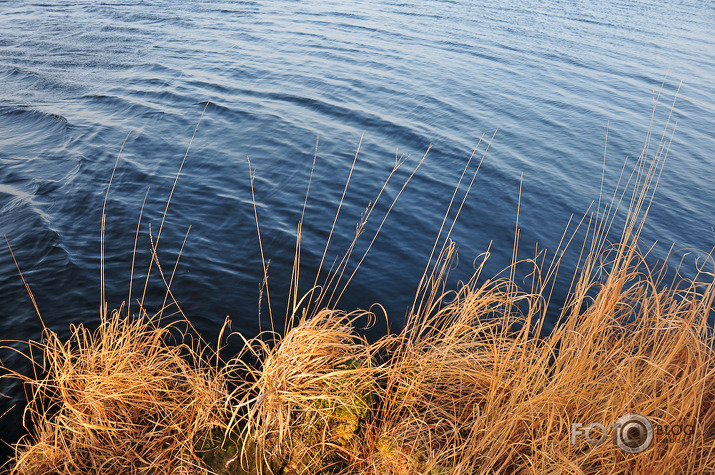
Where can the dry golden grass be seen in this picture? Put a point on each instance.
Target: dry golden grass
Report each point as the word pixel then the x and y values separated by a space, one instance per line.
pixel 471 385
pixel 469 395
pixel 464 392
pixel 122 399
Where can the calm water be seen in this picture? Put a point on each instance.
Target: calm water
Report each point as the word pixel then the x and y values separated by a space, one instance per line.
pixel 77 77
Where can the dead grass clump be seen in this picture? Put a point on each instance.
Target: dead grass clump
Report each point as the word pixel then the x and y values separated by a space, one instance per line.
pixel 470 386
pixel 124 399
pixel 308 398
pixel 469 394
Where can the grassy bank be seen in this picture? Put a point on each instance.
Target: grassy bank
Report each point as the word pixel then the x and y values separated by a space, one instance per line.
pixel 625 383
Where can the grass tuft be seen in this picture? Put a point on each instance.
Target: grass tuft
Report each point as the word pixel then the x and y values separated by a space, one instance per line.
pixel 125 398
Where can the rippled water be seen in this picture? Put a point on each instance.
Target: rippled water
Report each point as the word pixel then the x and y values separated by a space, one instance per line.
pixel 77 77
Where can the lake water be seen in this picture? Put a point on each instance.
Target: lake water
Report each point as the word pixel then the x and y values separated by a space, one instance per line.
pixel 552 77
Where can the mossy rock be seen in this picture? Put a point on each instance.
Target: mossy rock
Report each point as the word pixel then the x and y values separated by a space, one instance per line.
pixel 221 454
pixel 326 427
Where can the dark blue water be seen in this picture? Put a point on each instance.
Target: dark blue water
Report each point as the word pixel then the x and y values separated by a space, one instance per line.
pixel 77 77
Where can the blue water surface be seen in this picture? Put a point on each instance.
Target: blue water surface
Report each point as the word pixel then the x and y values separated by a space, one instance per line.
pixel 78 77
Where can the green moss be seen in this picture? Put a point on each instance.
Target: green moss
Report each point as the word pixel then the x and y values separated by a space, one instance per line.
pixel 220 454
pixel 326 427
